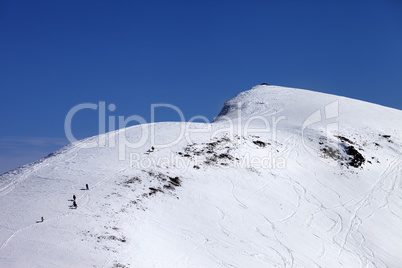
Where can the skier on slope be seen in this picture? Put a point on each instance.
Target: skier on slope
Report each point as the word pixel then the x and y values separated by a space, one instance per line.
pixel 151 150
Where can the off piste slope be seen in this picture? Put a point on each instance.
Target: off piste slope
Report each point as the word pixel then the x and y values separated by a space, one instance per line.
pixel 282 178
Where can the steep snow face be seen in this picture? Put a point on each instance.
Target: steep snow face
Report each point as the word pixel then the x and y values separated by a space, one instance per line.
pixel 283 178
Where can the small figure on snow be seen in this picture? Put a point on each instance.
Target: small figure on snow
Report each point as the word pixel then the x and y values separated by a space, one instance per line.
pixel 42 219
pixel 151 150
pixel 74 197
pixel 75 205
pixel 86 185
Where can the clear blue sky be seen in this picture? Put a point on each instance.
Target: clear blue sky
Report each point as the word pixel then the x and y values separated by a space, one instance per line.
pixel 193 54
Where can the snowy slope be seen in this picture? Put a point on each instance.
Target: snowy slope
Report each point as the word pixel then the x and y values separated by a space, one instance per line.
pixel 283 178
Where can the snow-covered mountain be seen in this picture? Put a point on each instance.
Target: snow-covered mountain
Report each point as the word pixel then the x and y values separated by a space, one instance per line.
pixel 282 178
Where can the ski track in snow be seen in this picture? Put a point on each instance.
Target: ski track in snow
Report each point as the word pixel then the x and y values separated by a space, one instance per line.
pixel 11 186
pixel 391 173
pixel 364 257
pixel 85 196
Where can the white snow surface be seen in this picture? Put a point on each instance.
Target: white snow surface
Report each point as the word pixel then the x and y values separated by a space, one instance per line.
pixel 272 182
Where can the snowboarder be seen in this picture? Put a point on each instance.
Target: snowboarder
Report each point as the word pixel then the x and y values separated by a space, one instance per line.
pixel 86 185
pixel 42 219
pixel 75 204
pixel 74 197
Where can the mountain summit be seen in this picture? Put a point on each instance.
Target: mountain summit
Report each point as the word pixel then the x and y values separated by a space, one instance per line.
pixel 283 177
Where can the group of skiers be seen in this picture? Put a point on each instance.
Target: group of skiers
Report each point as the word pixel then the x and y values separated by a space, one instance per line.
pixel 74 197
pixel 74 203
pixel 87 187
